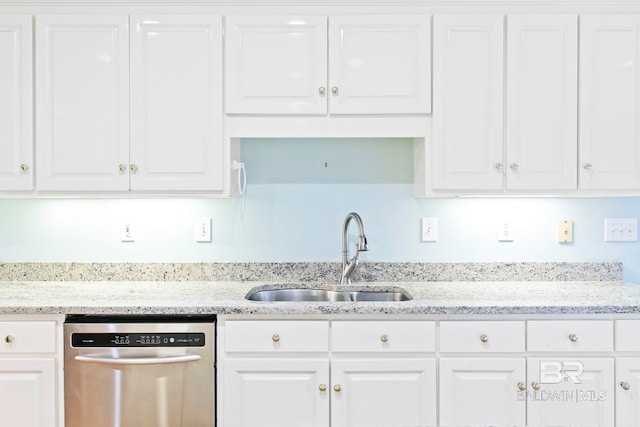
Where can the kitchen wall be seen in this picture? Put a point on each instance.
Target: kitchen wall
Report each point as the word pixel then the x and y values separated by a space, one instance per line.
pixel 298 194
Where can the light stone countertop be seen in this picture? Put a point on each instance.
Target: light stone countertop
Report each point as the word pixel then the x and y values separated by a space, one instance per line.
pixel 227 297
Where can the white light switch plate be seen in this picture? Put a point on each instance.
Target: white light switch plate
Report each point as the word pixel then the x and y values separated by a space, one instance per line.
pixel 621 229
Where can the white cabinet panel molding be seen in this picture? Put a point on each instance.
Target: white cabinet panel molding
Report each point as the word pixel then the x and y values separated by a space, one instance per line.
pixel 468 91
pixel 82 102
pixel 542 85
pixel 380 64
pixel 16 115
pixel 609 102
pixel 176 102
pixel 276 64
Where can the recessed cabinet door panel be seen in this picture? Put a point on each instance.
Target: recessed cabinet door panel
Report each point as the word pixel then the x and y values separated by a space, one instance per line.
pixel 542 98
pixel 176 102
pixel 468 102
pixel 379 64
pixel 28 392
pixel 609 102
pixel 16 115
pixel 576 391
pixel 82 94
pixel 383 392
pixel 276 392
pixel 482 392
pixel 276 64
pixel 627 393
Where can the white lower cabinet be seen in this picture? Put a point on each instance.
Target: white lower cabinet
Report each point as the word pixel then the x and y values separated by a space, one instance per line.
pixel 627 395
pixel 482 391
pixel 393 373
pixel 570 390
pixel 28 396
pixel 284 374
pixel 282 392
pixel 391 392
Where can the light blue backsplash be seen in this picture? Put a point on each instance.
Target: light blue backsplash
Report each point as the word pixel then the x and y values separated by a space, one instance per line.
pixel 298 194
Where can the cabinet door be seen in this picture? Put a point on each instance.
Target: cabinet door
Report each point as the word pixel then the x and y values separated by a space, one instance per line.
pixel 27 392
pixel 468 83
pixel 609 102
pixel 276 64
pixel 568 390
pixel 482 392
pixel 383 392
pixel 542 55
pixel 627 393
pixel 380 64
pixel 82 93
pixel 176 102
pixel 276 392
pixel 16 116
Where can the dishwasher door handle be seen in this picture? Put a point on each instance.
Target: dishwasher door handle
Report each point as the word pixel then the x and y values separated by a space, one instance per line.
pixel 138 360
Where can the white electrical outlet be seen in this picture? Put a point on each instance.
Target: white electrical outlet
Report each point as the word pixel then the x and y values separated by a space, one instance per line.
pixel 202 230
pixel 126 232
pixel 621 229
pixel 429 229
pixel 505 231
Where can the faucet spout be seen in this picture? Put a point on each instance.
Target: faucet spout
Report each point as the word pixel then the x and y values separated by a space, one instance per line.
pixel 349 265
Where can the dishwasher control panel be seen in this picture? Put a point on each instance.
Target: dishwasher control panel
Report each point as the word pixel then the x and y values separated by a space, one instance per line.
pixel 155 339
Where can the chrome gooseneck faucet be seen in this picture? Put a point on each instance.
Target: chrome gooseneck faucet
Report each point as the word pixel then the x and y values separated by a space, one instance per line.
pixel 349 265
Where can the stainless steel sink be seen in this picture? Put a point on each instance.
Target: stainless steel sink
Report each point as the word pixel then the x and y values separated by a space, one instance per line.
pixel 322 295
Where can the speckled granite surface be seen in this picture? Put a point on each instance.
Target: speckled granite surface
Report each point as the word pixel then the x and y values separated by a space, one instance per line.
pixel 225 297
pixel 436 288
pixel 318 272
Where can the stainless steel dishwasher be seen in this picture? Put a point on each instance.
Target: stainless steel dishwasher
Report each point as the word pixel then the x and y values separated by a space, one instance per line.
pixel 139 371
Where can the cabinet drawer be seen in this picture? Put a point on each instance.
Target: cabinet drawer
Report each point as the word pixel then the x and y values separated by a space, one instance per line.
pixel 627 335
pixel 27 337
pixel 570 335
pixel 276 336
pixel 483 337
pixel 383 336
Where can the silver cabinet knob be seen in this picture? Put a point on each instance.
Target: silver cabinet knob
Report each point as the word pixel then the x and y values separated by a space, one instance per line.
pixel 514 167
pixel 133 168
pixel 484 338
pixel 9 339
pixel 384 338
pixel 573 338
pixel 535 386
pixel 122 168
pixel 275 338
pixel 522 386
pixel 499 167
pixel 334 90
pixel 588 167
pixel 625 385
pixel 322 91
pixel 24 168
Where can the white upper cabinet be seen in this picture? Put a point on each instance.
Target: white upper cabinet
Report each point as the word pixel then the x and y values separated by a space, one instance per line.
pixel 542 66
pixel 468 90
pixel 16 115
pixel 376 65
pixel 379 64
pixel 609 102
pixel 176 103
pixel 276 64
pixel 82 102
